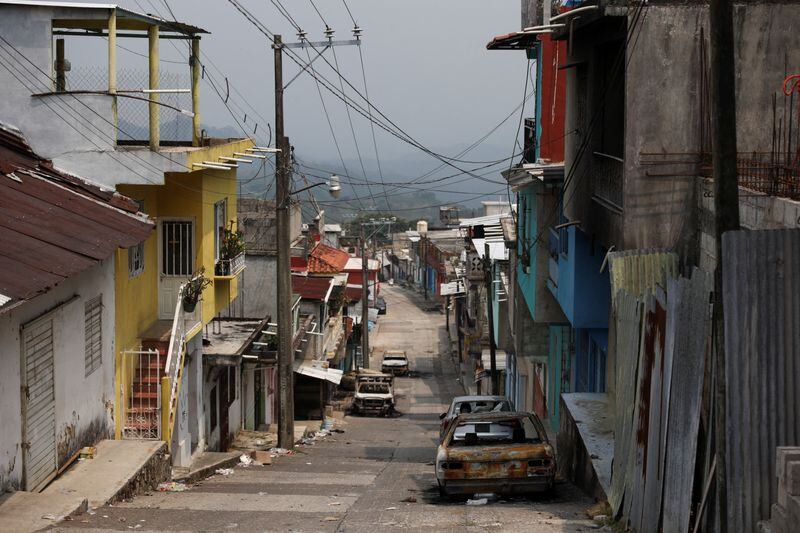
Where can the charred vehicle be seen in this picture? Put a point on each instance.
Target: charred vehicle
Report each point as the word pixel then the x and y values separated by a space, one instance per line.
pixel 395 362
pixel 374 394
pixel 472 404
pixel 499 452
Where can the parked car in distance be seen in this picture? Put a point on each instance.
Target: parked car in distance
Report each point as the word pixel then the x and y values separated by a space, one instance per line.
pixel 374 394
pixel 472 404
pixel 394 362
pixel 501 452
pixel 380 305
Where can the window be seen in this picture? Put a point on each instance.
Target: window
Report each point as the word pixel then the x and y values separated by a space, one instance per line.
pixel 220 216
pixel 177 248
pixel 136 253
pixel 94 339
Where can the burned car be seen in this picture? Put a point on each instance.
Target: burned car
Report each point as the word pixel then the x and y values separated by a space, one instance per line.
pixel 374 394
pixel 500 452
pixel 395 362
pixel 472 404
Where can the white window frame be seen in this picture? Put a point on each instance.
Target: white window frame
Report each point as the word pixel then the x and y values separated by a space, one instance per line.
pixel 220 224
pixel 93 329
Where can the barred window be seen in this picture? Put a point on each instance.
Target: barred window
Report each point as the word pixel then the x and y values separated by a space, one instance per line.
pixel 136 260
pixel 94 342
pixel 136 253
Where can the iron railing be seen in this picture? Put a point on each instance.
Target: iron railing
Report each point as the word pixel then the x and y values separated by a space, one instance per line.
pixel 140 393
pixel 607 179
pixel 230 267
pixel 770 173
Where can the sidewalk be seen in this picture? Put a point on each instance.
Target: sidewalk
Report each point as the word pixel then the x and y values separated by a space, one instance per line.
pixel 120 469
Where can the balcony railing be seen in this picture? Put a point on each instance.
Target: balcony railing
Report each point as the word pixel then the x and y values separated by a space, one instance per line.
pixel 774 174
pixel 607 180
pixel 229 268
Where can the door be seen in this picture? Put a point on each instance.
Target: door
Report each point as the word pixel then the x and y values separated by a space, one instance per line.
pixel 176 258
pixel 38 404
pixel 224 409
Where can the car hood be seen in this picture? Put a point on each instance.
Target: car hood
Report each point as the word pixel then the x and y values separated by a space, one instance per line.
pixel 507 452
pixel 372 396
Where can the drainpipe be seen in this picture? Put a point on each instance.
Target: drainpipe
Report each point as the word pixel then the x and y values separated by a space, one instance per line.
pixel 155 133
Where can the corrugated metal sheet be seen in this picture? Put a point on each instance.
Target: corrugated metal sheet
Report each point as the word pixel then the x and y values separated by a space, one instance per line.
pixel 54 225
pixel 761 283
pixel 626 325
pixel 312 288
pixel 688 327
pixel 639 270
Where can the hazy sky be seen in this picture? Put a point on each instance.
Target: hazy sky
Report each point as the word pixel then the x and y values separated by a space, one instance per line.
pixel 427 69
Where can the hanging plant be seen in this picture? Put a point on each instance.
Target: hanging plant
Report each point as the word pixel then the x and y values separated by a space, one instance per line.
pixel 232 246
pixel 193 289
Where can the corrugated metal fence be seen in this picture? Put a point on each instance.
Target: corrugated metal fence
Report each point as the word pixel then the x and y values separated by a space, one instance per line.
pixel 761 280
pixel 661 325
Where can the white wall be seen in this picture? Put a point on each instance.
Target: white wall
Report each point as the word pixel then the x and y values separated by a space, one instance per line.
pixel 84 404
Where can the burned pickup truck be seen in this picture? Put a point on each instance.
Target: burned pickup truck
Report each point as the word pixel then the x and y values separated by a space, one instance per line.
pixel 499 452
pixel 374 394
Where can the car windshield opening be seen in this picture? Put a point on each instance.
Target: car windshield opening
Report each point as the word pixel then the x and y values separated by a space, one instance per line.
pixel 374 388
pixel 510 431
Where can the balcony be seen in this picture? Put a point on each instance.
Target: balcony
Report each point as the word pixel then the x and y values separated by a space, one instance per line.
pixel 607 181
pixel 229 268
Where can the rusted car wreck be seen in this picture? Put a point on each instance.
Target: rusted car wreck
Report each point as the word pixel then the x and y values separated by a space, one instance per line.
pixel 499 452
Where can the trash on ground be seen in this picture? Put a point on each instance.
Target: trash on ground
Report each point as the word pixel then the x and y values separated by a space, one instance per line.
pixel 280 451
pixel 330 519
pixel 410 499
pixel 390 509
pixel 335 503
pixel 172 486
pixel 245 460
pixel 88 452
pixel 53 517
pixel 224 471
pixel 478 501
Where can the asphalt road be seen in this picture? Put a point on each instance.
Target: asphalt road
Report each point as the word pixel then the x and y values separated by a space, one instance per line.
pixel 376 476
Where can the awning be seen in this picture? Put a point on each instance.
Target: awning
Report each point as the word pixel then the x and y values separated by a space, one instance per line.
pixel 318 370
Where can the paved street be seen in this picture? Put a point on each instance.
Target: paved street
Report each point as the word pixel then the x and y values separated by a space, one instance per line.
pixel 356 480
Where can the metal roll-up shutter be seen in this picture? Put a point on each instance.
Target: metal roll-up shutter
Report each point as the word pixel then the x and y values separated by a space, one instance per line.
pixel 38 404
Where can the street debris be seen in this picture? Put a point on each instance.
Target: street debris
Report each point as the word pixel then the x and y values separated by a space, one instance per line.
pixel 224 471
pixel 410 499
pixel 330 519
pixel 335 503
pixel 390 509
pixel 172 486
pixel 280 451
pixel 53 517
pixel 478 501
pixel 245 460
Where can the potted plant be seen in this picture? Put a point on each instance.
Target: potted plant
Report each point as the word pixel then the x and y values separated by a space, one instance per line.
pixel 232 246
pixel 193 290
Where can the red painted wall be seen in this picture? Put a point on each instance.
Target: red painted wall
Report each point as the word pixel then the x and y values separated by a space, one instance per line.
pixel 554 98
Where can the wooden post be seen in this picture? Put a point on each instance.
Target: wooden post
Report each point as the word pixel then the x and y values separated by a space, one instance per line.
pixel 726 206
pixel 283 270
pixel 166 393
pixel 364 301
pixel 155 133
pixel 195 64
pixel 61 79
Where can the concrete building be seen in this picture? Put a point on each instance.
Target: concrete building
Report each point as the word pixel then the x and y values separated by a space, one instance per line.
pixel 57 312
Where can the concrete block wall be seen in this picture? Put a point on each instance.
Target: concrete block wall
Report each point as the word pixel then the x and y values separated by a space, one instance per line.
pixel 785 513
pixel 756 212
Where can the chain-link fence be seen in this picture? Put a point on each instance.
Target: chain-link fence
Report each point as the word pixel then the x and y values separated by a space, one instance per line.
pixel 133 116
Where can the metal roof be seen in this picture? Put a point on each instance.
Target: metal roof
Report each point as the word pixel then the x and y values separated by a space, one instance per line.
pixel 54 225
pixel 126 19
pixel 513 41
pixel 325 259
pixel 312 288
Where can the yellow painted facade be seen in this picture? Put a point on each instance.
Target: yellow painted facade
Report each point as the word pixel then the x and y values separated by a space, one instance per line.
pixel 186 195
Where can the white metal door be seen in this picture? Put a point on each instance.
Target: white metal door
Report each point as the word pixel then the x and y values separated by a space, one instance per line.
pixel 38 404
pixel 176 263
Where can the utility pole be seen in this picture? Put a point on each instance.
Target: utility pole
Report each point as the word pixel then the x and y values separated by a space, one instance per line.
pixel 425 266
pixel 726 207
pixel 364 302
pixel 487 274
pixel 284 281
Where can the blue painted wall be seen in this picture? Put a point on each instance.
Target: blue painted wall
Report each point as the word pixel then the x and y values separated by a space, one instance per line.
pixel 527 227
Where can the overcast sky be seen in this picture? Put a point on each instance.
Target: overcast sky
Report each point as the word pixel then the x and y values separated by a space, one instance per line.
pixel 427 69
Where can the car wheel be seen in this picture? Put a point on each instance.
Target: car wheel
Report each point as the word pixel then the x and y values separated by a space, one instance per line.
pixel 443 493
pixel 550 492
